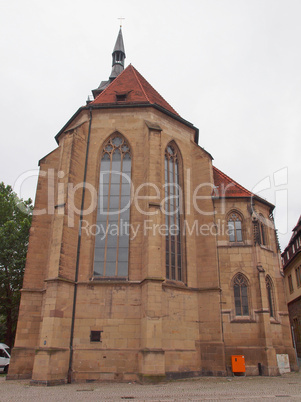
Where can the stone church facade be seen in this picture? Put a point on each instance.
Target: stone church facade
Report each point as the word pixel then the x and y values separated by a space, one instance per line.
pixel 145 261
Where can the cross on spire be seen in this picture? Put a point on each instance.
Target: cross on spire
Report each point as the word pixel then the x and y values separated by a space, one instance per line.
pixel 121 18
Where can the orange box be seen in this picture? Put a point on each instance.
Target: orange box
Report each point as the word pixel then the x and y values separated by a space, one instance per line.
pixel 238 364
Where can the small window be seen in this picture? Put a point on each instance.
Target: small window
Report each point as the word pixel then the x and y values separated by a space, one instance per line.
pixel 121 97
pixel 287 255
pixel 95 336
pixel 235 227
pixel 298 276
pixel 293 248
pixel 290 283
pixel 241 295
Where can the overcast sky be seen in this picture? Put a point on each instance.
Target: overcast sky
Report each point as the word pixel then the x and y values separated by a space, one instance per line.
pixel 230 67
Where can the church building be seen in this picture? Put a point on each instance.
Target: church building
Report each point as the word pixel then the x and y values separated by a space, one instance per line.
pixel 145 261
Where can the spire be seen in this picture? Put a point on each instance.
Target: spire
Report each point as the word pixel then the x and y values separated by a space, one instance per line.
pixel 119 46
pixel 118 57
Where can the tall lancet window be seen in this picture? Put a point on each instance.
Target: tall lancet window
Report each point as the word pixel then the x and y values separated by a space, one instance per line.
pixel 240 285
pixel 270 292
pixel 111 254
pixel 173 211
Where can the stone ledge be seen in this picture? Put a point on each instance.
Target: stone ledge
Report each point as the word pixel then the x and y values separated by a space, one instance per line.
pixel 59 279
pixel 108 282
pixel 32 290
pixel 180 286
pixel 150 350
pixel 227 244
pixel 50 350
pixel 242 321
pixel 152 125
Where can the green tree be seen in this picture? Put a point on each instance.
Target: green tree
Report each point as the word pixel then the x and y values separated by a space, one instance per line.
pixel 15 221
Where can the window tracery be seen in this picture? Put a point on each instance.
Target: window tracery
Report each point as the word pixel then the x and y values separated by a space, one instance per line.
pixel 240 286
pixel 270 293
pixel 173 207
pixel 113 212
pixel 235 227
pixel 262 230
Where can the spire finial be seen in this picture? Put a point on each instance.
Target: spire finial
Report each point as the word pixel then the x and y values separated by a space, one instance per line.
pixel 121 18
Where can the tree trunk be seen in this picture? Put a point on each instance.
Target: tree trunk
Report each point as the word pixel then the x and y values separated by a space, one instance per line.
pixel 9 336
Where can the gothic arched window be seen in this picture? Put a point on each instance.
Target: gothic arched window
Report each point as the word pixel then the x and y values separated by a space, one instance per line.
pixel 270 292
pixel 262 230
pixel 235 227
pixel 113 212
pixel 240 286
pixel 173 208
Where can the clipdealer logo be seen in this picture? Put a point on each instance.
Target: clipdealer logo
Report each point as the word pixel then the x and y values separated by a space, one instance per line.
pixel 61 199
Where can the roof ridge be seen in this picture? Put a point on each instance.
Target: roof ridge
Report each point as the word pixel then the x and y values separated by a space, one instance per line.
pixel 233 181
pixel 174 111
pixel 144 92
pixel 141 86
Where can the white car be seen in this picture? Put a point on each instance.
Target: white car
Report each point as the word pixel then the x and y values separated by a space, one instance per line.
pixel 4 357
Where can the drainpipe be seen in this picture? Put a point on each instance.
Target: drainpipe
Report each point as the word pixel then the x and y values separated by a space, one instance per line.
pixel 78 252
pixel 219 281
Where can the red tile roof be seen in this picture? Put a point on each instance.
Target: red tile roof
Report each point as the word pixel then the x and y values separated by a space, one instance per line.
pixel 137 90
pixel 227 187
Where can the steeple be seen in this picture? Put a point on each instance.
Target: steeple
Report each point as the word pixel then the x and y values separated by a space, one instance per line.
pixel 118 57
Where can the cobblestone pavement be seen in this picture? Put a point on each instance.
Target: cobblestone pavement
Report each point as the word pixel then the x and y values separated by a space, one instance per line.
pixel 284 388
